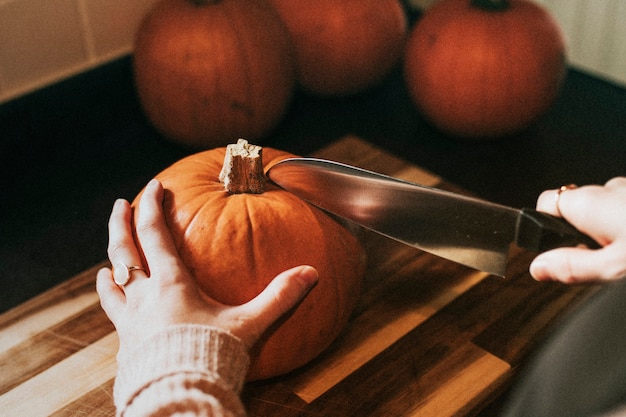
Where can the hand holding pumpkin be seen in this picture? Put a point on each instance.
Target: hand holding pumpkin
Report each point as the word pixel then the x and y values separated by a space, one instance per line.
pixel 166 294
pixel 599 212
pixel 235 243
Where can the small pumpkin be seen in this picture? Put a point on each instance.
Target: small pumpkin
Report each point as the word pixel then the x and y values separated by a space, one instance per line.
pixel 210 70
pixel 344 46
pixel 484 68
pixel 236 242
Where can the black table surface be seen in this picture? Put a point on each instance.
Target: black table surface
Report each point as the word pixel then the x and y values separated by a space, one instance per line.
pixel 68 151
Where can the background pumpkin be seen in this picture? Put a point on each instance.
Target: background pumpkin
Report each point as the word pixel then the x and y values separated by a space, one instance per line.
pixel 344 46
pixel 484 68
pixel 210 70
pixel 236 243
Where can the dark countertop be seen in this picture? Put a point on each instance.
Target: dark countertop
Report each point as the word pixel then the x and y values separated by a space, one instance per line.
pixel 68 151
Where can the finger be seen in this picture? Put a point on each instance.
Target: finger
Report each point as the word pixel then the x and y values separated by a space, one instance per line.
pixel 550 201
pixel 154 236
pixel 617 182
pixel 547 202
pixel 112 297
pixel 580 207
pixel 280 296
pixel 572 265
pixel 122 248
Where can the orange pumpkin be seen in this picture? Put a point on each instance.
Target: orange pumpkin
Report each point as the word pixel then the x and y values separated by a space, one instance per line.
pixel 344 46
pixel 484 68
pixel 210 70
pixel 234 244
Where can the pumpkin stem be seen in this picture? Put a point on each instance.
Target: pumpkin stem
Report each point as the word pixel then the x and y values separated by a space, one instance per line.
pixel 491 5
pixel 242 171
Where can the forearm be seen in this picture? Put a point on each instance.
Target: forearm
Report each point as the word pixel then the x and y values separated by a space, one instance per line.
pixel 195 370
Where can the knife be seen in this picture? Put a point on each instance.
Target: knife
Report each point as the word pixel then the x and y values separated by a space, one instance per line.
pixel 466 230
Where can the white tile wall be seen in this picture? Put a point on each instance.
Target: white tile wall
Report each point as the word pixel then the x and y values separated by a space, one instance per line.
pixel 37 39
pixel 44 41
pixel 111 24
pixel 595 33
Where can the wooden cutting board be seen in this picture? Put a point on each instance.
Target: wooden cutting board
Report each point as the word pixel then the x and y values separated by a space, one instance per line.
pixel 428 338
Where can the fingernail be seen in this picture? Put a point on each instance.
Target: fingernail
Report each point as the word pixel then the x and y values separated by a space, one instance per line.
pixel 538 269
pixel 118 203
pixel 153 183
pixel 309 275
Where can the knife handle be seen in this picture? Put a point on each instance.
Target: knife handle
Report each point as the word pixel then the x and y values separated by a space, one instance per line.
pixel 540 232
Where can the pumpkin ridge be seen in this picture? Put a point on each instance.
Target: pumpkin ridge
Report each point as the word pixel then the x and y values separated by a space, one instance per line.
pixel 253 226
pixel 343 310
pixel 322 222
pixel 195 217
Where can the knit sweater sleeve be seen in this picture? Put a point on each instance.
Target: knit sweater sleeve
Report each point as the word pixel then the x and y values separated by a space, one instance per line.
pixel 186 370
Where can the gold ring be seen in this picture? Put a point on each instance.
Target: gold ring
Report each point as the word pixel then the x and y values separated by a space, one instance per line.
pixel 558 195
pixel 122 273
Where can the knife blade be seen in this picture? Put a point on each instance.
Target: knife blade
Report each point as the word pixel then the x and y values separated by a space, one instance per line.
pixel 466 230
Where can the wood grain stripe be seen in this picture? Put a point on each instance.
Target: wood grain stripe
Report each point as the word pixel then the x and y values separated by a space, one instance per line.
pixel 471 382
pixel 96 403
pixel 43 350
pixel 62 383
pixel 48 309
pixel 365 338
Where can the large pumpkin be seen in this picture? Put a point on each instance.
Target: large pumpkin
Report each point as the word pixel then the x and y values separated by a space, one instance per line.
pixel 234 244
pixel 484 68
pixel 210 70
pixel 344 46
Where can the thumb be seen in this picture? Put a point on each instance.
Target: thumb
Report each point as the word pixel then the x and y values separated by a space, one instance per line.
pixel 577 265
pixel 285 291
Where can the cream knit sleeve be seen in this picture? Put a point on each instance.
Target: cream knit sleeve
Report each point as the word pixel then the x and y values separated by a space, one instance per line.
pixel 186 370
